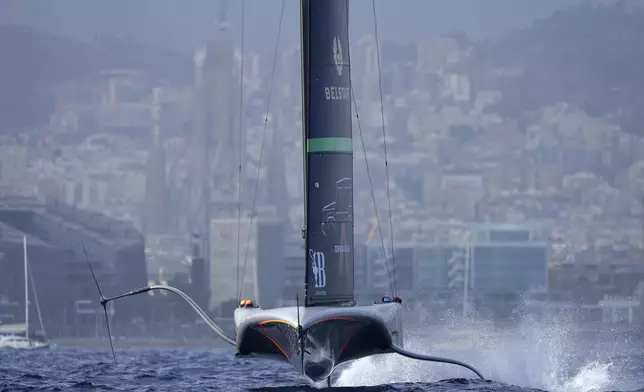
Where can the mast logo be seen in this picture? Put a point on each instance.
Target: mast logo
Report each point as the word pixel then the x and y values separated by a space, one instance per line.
pixel 319 274
pixel 337 54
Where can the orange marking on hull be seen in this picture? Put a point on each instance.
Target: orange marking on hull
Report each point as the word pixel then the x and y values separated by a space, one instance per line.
pixel 332 319
pixel 275 321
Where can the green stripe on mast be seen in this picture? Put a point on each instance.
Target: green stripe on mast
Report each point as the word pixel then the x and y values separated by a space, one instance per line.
pixel 329 144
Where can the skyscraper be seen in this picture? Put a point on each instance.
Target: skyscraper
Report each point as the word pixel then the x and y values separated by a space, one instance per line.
pixel 215 142
pixel 155 189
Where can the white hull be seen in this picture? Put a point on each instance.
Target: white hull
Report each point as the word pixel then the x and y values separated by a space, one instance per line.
pixel 21 343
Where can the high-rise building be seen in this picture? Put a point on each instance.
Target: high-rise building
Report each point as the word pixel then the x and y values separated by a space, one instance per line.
pixel 438 267
pixel 277 189
pixel 198 274
pixel 155 189
pixel 378 270
pixel 257 273
pixel 13 161
pixel 360 282
pixel 509 262
pixel 294 270
pixel 403 261
pixel 216 138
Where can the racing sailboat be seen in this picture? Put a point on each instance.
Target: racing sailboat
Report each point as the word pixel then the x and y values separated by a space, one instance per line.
pixel 328 329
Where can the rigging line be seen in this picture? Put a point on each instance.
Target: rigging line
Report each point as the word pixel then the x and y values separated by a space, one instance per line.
pixel 261 151
pixel 384 140
pixel 241 129
pixel 373 195
pixel 33 289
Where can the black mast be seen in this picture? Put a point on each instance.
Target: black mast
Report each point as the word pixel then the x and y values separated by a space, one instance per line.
pixel 328 152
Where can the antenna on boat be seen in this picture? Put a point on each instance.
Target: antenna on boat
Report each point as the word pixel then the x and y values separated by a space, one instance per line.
pixel 103 300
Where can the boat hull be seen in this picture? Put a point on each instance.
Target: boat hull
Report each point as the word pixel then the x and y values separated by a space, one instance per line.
pixel 330 335
pixel 21 343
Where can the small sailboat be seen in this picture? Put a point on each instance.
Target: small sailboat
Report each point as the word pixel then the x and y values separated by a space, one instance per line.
pixel 328 329
pixel 17 336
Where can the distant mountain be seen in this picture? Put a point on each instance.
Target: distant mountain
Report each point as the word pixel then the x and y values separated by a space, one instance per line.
pixel 591 55
pixel 33 63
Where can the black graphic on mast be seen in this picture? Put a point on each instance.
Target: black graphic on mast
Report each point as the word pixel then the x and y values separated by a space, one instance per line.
pixel 328 165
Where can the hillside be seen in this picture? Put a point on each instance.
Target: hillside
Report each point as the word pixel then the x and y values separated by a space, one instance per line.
pixel 33 63
pixel 590 56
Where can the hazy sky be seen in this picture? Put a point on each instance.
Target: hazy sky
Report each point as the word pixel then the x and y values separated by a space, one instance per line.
pixel 184 24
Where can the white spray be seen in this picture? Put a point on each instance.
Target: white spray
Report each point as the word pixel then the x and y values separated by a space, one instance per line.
pixel 535 353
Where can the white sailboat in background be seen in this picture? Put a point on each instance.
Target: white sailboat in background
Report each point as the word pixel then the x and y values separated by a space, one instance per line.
pixel 16 336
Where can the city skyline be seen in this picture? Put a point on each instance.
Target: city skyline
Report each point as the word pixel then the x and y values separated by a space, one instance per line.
pixel 466 147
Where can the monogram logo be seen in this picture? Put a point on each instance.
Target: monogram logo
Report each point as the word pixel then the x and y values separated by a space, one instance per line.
pixel 337 54
pixel 318 264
